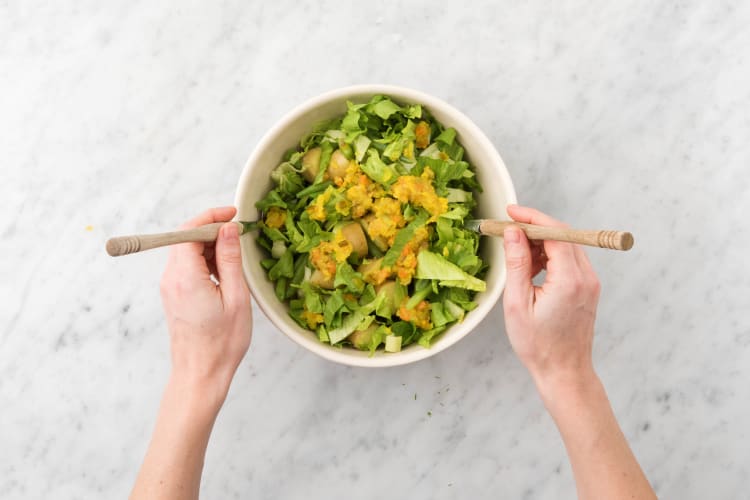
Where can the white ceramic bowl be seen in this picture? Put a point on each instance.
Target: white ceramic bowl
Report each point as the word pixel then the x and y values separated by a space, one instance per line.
pixel 254 183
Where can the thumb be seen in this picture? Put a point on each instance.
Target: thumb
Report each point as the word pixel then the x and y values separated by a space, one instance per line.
pixel 518 289
pixel 229 263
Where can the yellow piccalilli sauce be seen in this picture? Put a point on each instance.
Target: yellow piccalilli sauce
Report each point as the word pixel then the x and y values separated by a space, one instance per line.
pixel 275 217
pixel 358 197
pixel 327 254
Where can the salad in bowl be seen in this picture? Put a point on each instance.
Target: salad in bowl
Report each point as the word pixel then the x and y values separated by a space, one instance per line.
pixel 363 229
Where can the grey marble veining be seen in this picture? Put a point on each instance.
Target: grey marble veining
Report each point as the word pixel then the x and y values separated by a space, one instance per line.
pixel 122 117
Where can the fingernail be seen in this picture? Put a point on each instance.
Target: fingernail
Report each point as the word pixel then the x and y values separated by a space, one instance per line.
pixel 230 231
pixel 512 235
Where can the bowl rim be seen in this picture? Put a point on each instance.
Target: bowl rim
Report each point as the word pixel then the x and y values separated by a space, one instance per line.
pixel 472 320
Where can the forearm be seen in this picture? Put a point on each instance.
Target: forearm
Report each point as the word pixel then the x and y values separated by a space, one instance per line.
pixel 603 464
pixel 174 460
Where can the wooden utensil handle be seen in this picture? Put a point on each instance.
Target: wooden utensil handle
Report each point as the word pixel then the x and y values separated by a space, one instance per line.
pixel 616 240
pixel 123 245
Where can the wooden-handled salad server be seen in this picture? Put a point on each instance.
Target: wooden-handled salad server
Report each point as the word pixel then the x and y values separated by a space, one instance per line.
pixel 616 240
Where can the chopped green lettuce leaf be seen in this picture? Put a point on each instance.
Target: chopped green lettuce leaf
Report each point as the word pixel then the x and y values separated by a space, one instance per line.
pixel 272 199
pixel 349 278
pixel 268 263
pixel 368 294
pixel 431 151
pixel 300 269
pixel 458 195
pixel 350 123
pixel 335 305
pixel 454 310
pixel 425 340
pixel 281 288
pixel 312 299
pixel 323 334
pixel 436 267
pixel 326 151
pixel 457 212
pixel 377 338
pixel 377 170
pixel 287 178
pixel 361 143
pixel 440 315
pixel 385 108
pixel 314 189
pixel 284 267
pixel 274 234
pixel 447 136
pixel 445 170
pixel 357 320
pixel 400 141
pixel 405 330
pixel 422 289
pixel 402 238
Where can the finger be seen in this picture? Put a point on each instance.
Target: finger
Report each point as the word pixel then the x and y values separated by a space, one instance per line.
pixel 519 291
pixel 583 259
pixel 561 256
pixel 584 264
pixel 532 216
pixel 191 254
pixel 229 265
pixel 218 214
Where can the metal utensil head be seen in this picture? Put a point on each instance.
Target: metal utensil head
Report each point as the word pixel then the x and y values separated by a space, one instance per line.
pixel 472 224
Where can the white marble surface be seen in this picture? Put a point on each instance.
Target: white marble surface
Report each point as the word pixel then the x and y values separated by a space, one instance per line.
pixel 132 116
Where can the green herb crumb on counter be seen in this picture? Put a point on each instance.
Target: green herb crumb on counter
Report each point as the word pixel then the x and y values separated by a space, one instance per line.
pixel 364 229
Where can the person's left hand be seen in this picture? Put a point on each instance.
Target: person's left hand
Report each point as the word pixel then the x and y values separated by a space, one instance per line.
pixel 210 325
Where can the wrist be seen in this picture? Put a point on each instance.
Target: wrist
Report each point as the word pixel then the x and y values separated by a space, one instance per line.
pixel 202 396
pixel 564 389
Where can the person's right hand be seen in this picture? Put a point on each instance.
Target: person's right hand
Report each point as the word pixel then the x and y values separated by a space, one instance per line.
pixel 210 325
pixel 551 327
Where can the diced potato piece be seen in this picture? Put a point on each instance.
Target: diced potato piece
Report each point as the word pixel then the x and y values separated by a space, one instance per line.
pixel 338 164
pixel 373 272
pixel 370 266
pixel 311 164
pixel 353 233
pixel 387 287
pixel 361 338
pixel 394 294
pixel 379 241
pixel 319 279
